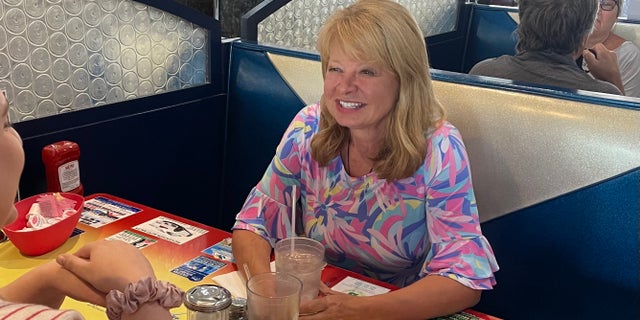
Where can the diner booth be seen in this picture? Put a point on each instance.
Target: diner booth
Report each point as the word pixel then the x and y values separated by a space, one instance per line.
pixel 169 114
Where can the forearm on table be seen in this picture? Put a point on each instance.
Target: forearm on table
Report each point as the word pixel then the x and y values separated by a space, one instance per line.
pixel 251 249
pixel 35 287
pixel 150 310
pixel 48 285
pixel 430 297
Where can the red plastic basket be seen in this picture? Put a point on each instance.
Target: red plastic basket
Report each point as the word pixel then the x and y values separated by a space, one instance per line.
pixel 38 242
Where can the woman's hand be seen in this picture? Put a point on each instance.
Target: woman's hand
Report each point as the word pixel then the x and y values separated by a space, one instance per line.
pixel 429 297
pixel 107 264
pixel 111 265
pixel 603 65
pixel 333 305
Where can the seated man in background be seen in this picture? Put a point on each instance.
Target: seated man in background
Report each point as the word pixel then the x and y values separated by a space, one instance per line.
pixel 552 34
pixel 627 52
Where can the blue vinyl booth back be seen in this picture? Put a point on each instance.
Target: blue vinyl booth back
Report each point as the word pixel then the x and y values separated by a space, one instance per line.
pixel 573 257
pixel 260 106
pixel 491 34
pixel 570 256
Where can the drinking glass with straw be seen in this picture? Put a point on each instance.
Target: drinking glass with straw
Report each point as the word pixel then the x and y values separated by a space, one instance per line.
pixel 301 256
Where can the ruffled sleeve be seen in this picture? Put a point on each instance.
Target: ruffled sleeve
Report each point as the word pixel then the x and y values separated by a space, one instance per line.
pixel 267 209
pixel 458 250
pixel 468 261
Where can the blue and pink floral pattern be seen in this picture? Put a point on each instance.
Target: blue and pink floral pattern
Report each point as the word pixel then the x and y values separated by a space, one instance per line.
pixel 394 231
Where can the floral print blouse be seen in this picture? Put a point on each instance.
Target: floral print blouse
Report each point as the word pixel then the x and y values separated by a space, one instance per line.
pixel 394 231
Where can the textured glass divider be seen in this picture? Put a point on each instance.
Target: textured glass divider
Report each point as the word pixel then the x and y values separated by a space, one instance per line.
pixel 296 24
pixel 63 55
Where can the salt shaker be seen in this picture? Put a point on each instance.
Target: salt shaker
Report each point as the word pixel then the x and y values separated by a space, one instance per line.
pixel 207 302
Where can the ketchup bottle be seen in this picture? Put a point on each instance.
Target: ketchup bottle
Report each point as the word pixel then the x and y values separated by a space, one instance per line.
pixel 62 168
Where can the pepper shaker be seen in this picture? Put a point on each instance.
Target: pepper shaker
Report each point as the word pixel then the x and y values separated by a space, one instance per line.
pixel 238 309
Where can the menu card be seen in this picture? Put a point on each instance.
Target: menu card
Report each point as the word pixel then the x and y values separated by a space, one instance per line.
pixel 357 287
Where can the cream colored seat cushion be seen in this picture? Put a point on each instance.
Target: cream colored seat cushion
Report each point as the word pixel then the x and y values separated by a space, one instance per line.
pixel 629 31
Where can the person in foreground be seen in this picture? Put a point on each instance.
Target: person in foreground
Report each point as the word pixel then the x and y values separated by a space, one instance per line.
pixel 602 38
pixel 382 178
pixel 126 286
pixel 551 36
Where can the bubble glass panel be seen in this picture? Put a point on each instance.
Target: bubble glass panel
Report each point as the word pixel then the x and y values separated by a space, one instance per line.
pixel 65 55
pixel 296 24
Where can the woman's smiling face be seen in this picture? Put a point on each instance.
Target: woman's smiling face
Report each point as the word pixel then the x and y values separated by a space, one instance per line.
pixel 11 164
pixel 358 94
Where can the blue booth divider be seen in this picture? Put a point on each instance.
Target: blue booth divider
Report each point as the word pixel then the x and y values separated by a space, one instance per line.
pixel 573 257
pixel 260 106
pixel 491 34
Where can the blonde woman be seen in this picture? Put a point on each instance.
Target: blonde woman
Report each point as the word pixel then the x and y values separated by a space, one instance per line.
pixel 382 179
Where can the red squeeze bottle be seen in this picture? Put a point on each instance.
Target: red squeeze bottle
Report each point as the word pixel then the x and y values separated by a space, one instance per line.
pixel 62 168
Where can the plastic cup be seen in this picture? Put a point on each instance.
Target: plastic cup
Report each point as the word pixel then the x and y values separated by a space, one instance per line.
pixel 303 258
pixel 273 296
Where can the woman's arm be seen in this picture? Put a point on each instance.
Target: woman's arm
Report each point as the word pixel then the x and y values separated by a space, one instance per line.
pixel 251 249
pixel 151 310
pixel 115 265
pixel 266 214
pixel 427 298
pixel 48 285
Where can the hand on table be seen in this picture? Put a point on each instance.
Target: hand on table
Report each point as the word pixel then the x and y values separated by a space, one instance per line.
pixel 332 305
pixel 107 264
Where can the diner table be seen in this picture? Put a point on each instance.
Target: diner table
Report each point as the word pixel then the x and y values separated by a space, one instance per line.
pixel 182 251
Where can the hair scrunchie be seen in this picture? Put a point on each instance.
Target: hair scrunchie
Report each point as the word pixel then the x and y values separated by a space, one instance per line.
pixel 141 292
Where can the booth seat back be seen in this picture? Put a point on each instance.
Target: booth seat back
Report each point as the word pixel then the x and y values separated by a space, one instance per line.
pixel 556 182
pixel 129 150
pixel 491 34
pixel 628 31
pixel 556 179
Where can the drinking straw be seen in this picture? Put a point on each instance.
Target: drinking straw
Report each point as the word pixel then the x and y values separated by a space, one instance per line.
pixel 293 215
pixel 247 273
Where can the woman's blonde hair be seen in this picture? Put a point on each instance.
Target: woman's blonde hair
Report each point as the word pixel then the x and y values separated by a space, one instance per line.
pixel 385 33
